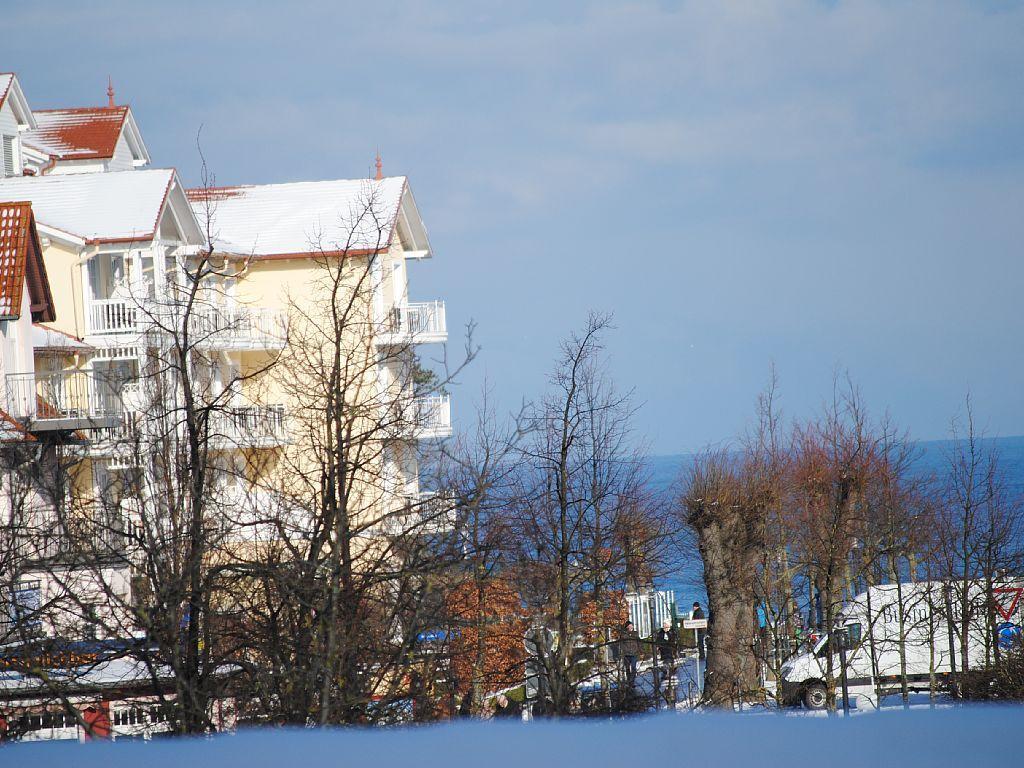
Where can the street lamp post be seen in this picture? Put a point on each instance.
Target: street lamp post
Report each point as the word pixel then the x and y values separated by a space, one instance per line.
pixel 655 671
pixel 842 639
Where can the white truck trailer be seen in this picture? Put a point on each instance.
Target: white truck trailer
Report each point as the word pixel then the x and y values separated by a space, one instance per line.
pixel 901 629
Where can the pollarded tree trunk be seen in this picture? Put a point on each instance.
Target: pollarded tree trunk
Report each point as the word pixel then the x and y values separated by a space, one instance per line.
pixel 730 536
pixel 731 666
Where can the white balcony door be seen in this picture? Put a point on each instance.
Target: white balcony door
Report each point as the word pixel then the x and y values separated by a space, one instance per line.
pixel 399 283
pixel 111 376
pixel 122 275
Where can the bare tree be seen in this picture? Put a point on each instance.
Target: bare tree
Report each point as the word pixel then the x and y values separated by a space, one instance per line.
pixel 979 533
pixel 478 474
pixel 346 558
pixel 579 488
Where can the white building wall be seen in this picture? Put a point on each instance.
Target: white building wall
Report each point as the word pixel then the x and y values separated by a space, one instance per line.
pixel 122 159
pixel 9 127
pixel 68 167
pixel 17 346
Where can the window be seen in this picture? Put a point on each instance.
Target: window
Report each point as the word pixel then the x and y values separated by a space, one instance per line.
pixel 26 603
pixel 7 148
pixel 854 631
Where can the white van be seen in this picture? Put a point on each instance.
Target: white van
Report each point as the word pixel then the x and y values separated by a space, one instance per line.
pixel 872 621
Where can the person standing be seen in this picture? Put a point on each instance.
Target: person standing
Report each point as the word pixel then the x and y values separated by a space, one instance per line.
pixel 665 639
pixel 697 613
pixel 629 650
pixel 504 708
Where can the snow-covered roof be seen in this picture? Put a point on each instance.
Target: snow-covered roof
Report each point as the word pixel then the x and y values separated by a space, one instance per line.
pixel 46 339
pixel 121 206
pixel 11 90
pixel 77 134
pixel 107 673
pixel 350 215
pixel 6 78
pixel 85 133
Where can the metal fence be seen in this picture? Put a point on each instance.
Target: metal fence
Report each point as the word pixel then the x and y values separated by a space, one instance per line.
pixel 73 394
pixel 640 607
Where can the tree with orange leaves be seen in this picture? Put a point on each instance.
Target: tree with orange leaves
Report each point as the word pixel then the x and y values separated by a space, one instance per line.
pixel 487 637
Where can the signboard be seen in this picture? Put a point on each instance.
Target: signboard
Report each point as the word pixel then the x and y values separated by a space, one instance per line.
pixel 1006 599
pixel 695 623
pixel 436 636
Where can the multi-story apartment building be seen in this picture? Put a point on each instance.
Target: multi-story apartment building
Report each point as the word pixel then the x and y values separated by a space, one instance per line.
pixel 119 240
pixel 289 236
pixel 49 411
pixel 120 243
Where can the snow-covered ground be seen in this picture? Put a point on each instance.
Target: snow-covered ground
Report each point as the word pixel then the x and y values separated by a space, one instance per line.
pixel 970 736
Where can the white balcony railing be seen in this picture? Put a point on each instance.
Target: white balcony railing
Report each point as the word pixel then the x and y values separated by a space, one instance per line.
pixel 415 323
pixel 254 426
pixel 112 316
pixel 237 327
pixel 432 416
pixel 110 534
pixel 63 399
pixel 228 326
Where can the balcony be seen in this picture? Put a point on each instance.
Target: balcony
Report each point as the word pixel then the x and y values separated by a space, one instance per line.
pixel 229 326
pixel 416 323
pixel 73 539
pixel 108 316
pixel 432 417
pixel 237 327
pixel 63 400
pixel 422 513
pixel 254 426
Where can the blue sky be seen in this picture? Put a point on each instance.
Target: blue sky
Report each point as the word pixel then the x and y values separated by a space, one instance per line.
pixel 823 185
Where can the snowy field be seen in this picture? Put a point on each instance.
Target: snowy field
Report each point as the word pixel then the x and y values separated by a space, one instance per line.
pixel 967 736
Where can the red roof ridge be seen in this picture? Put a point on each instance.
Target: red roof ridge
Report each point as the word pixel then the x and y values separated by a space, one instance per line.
pixel 83 109
pixel 215 193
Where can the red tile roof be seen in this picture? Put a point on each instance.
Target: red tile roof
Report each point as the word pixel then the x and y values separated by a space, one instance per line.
pixel 12 431
pixel 21 259
pixel 199 194
pixel 86 133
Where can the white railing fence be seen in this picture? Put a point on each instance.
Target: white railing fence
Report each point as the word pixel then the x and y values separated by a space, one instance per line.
pixel 433 415
pixel 249 425
pixel 208 324
pixel 417 319
pixel 112 316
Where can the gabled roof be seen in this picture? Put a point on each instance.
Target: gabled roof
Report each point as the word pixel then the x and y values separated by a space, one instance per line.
pixel 305 218
pixel 77 134
pixel 10 90
pixel 6 78
pixel 21 259
pixel 85 133
pixel 113 207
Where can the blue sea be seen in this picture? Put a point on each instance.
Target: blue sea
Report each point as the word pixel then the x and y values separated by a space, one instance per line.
pixel 932 460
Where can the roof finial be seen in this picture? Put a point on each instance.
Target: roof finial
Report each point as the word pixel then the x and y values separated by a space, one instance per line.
pixel 380 167
pixel 110 92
